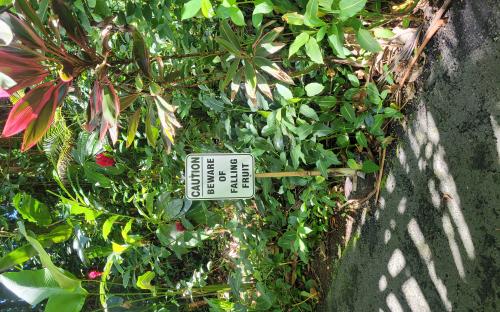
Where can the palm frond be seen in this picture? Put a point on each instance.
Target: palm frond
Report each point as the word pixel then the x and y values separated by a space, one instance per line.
pixel 57 144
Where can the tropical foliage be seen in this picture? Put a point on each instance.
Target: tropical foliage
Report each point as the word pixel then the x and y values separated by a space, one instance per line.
pixel 116 93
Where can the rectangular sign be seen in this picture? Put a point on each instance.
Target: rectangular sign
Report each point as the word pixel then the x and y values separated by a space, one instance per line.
pixel 219 176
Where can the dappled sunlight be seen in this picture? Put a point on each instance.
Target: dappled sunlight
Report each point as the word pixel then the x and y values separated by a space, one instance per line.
pixel 414 296
pixel 426 255
pixel 396 263
pixel 496 131
pixel 393 303
pixel 455 251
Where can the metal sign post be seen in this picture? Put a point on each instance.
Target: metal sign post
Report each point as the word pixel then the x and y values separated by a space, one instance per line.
pixel 219 176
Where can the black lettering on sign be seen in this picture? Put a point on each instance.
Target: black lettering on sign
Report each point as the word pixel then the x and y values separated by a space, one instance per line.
pixel 210 175
pixel 222 176
pixel 195 177
pixel 233 175
pixel 245 173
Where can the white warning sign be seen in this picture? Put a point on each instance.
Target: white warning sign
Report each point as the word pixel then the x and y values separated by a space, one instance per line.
pixel 219 176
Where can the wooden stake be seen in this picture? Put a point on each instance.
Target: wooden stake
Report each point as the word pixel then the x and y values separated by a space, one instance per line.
pixel 332 171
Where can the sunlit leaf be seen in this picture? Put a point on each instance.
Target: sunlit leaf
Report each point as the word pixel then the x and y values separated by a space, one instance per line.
pixel 133 124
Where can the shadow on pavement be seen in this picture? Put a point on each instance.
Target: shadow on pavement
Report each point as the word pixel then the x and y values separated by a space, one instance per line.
pixel 432 242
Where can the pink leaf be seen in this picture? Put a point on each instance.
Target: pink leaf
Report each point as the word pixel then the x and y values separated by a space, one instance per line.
pixel 27 109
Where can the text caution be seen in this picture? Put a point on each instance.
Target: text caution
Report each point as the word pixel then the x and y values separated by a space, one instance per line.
pixel 219 176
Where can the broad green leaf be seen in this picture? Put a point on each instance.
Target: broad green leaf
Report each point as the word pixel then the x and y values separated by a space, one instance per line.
pixel 144 281
pixel 284 91
pixel 348 113
pixel 314 88
pixel 173 208
pixel 336 40
pixel 299 41
pixel 366 41
pixel 152 131
pixel 361 139
pixel 311 16
pixel 263 86
pixel 369 166
pixel 313 51
pixel 343 140
pixel 308 112
pixel 17 256
pixel 296 155
pixel 353 164
pixel 349 8
pixel 207 9
pixel 108 225
pixel 31 209
pixel 38 285
pixel 190 9
pixel 59 234
pixel 62 280
pixel 133 124
pixel 293 18
pixel 237 17
pixel 263 7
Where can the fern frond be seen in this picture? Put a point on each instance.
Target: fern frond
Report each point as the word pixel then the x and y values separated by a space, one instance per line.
pixel 57 144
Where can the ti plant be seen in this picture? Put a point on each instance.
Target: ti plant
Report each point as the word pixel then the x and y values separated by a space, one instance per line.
pixel 40 63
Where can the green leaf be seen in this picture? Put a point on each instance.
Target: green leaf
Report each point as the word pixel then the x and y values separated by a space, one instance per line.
pixel 237 17
pixel 62 280
pixel 173 208
pixel 326 159
pixel 31 209
pixel 190 9
pixel 141 52
pixel 207 9
pixel 133 124
pixel 336 40
pixel 308 112
pixel 38 285
pixel 361 139
pixel 228 46
pixel 228 34
pixel 311 16
pixel 284 91
pixel 348 113
pixel 297 155
pixel 144 281
pixel 263 7
pixel 369 166
pixel 366 41
pixel 313 51
pixel 299 41
pixel 349 8
pixel 108 225
pixel 17 256
pixel 314 88
pixel 353 164
pixel 293 18
pixel 384 33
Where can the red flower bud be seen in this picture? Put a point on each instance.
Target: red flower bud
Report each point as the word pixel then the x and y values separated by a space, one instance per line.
pixel 94 274
pixel 104 161
pixel 179 227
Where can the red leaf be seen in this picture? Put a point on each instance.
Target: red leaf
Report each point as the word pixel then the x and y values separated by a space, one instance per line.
pixel 95 106
pixel 39 126
pixel 22 66
pixel 23 31
pixel 27 109
pixel 104 161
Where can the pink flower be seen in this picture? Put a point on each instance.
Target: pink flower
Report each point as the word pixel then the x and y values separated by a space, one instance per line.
pixel 179 227
pixel 104 161
pixel 94 274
